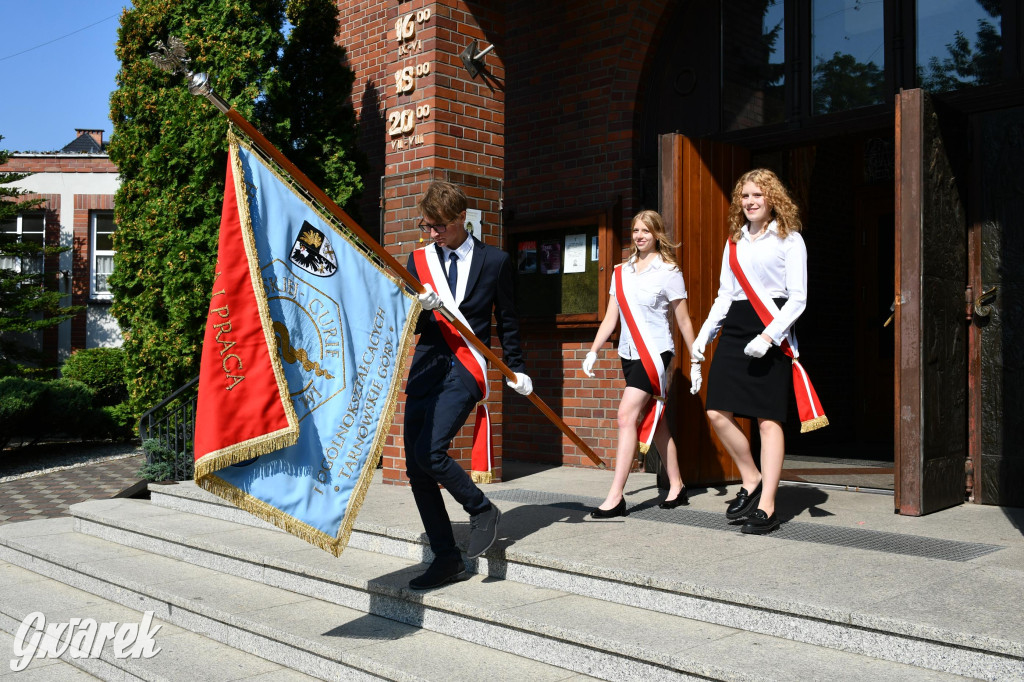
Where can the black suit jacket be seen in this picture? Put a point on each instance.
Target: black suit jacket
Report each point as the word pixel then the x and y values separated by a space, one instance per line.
pixel 489 289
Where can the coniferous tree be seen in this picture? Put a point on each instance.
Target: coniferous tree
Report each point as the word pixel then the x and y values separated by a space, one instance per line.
pixel 30 299
pixel 170 148
pixel 307 111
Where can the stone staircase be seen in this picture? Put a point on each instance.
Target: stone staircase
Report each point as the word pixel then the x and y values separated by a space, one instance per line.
pixel 240 599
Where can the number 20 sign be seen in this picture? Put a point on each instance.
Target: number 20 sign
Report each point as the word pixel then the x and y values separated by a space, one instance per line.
pixel 404 121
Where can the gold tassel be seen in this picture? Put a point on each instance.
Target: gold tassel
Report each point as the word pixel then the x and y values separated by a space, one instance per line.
pixel 812 424
pixel 482 476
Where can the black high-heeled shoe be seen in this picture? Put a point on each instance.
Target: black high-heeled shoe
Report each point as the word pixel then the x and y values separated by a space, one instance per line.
pixel 617 510
pixel 676 501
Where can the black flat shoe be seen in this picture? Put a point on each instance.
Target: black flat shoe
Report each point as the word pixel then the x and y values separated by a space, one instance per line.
pixel 617 510
pixel 744 503
pixel 439 573
pixel 760 523
pixel 676 501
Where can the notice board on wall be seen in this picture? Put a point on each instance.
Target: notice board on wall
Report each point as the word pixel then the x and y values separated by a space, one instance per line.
pixel 560 268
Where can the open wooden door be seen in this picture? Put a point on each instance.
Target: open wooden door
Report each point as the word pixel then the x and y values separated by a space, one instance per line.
pixel 931 330
pixel 697 177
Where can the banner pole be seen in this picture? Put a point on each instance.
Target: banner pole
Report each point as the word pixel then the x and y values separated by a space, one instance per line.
pixel 173 58
pixel 399 269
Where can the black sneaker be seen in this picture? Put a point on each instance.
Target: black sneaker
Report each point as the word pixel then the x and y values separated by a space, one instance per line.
pixel 441 572
pixel 483 531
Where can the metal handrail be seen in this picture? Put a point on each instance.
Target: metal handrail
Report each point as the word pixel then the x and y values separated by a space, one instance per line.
pixel 172 423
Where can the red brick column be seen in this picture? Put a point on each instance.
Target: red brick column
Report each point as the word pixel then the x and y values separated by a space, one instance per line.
pixel 439 123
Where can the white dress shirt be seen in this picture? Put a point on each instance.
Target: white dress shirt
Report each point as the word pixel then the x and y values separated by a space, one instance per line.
pixel 781 267
pixel 465 254
pixel 655 287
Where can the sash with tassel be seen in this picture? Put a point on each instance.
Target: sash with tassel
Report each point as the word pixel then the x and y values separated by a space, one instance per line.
pixel 812 415
pixel 428 267
pixel 653 365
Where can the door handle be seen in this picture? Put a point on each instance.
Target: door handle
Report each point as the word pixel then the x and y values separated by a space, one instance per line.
pixel 981 304
pixel 892 309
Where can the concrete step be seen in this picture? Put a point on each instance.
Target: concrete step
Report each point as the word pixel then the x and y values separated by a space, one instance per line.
pixel 182 655
pixel 584 634
pixel 302 635
pixel 387 527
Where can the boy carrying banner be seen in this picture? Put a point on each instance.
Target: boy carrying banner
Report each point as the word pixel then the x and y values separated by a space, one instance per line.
pixel 448 376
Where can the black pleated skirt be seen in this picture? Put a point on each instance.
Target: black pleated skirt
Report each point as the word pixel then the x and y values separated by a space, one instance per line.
pixel 757 388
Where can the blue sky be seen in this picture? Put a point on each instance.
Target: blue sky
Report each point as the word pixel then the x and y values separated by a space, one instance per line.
pixel 64 81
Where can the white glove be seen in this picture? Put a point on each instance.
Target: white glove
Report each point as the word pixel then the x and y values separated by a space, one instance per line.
pixel 429 298
pixel 523 385
pixel 695 378
pixel 588 364
pixel 699 346
pixel 757 347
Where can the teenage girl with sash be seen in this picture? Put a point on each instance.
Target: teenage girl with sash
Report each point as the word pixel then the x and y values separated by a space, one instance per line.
pixel 763 290
pixel 647 291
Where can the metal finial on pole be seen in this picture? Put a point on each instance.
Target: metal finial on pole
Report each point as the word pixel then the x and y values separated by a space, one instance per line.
pixel 173 58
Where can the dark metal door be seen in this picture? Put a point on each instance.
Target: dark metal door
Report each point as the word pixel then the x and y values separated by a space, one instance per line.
pixel 997 308
pixel 931 330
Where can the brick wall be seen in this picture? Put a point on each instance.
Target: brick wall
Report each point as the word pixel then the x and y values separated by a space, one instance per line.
pixel 59 164
pixel 571 131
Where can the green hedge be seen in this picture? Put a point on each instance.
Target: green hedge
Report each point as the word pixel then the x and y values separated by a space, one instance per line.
pixel 102 370
pixel 31 410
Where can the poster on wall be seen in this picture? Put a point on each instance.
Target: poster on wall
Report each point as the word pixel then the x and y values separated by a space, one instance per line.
pixel 527 260
pixel 575 253
pixel 550 258
pixel 474 222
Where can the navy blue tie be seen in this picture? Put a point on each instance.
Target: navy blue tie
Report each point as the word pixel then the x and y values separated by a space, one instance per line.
pixel 453 272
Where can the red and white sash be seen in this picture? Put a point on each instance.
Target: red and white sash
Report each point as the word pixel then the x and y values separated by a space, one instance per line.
pixel 625 296
pixel 428 267
pixel 812 415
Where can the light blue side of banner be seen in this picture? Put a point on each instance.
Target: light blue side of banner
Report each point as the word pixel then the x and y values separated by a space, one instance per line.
pixel 339 328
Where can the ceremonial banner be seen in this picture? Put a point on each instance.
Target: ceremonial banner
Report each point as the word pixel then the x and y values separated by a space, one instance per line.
pixel 303 358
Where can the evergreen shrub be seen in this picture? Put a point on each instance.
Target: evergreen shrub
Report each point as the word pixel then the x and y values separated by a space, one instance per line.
pixel 21 402
pixel 66 408
pixel 102 370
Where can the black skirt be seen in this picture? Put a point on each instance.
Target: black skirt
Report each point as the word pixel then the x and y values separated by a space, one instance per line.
pixel 636 375
pixel 757 388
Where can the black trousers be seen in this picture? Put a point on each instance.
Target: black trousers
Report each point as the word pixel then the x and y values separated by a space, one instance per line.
pixel 431 422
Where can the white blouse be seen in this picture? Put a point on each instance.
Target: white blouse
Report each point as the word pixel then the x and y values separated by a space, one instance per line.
pixel 780 265
pixel 657 286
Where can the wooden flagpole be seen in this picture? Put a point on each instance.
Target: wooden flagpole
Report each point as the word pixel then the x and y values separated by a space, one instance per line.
pixel 173 59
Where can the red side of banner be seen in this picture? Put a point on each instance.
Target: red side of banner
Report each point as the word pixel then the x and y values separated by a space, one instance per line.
pixel 239 399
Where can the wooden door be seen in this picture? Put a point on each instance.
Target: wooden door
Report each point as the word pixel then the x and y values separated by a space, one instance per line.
pixel 931 331
pixel 697 177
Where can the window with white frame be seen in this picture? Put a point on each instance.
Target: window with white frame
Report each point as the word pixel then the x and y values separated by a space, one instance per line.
pixel 102 250
pixel 30 228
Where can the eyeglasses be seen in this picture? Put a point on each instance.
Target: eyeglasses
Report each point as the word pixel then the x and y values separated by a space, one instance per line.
pixel 436 227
